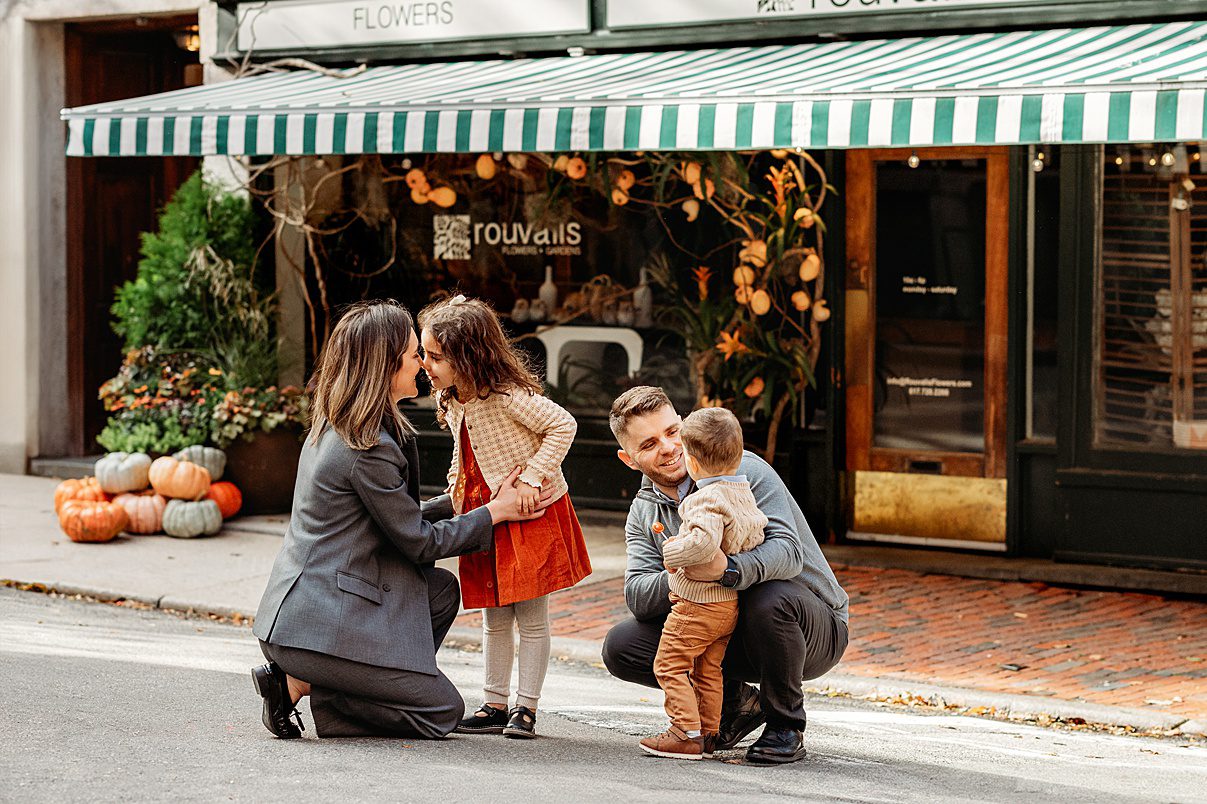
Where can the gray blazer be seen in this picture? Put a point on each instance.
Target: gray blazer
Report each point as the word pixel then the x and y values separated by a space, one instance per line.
pixel 347 581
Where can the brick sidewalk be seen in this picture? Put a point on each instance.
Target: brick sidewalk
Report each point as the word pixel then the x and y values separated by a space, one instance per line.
pixel 1120 649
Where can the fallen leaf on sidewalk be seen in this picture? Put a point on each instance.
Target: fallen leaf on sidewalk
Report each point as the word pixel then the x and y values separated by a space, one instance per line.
pixel 1020 615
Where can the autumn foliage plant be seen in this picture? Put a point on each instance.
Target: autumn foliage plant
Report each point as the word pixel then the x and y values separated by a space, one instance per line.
pixel 200 329
pixel 751 307
pixel 160 403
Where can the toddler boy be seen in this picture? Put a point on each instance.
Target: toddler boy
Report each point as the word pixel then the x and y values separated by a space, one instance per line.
pixel 720 513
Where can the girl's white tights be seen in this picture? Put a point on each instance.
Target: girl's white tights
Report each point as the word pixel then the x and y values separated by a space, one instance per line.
pixel 498 648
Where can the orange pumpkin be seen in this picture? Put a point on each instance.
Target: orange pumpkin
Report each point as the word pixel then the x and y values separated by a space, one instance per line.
pixel 228 497
pixel 181 480
pixel 90 521
pixel 145 511
pixel 82 489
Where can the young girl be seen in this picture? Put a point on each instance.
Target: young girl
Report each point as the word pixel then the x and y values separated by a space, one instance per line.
pixel 491 402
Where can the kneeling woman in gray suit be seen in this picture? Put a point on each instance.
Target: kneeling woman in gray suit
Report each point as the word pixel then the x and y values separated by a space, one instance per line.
pixel 355 610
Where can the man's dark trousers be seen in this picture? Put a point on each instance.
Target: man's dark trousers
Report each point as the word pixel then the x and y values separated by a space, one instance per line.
pixel 785 635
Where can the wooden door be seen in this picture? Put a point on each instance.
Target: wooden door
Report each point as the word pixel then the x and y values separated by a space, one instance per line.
pixel 111 200
pixel 926 345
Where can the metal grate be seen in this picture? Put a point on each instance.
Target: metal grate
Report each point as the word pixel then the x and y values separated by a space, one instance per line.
pixel 1152 305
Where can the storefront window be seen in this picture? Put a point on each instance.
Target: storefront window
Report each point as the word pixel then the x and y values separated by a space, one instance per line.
pixel 534 253
pixel 930 305
pixel 1151 368
pixel 699 273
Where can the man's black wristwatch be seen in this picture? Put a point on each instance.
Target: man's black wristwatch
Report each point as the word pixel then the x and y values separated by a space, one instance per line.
pixel 731 575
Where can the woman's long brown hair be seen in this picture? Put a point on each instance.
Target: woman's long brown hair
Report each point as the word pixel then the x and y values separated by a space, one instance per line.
pixel 474 344
pixel 350 387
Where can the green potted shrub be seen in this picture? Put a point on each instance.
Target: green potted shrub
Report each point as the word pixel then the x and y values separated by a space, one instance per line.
pixel 201 334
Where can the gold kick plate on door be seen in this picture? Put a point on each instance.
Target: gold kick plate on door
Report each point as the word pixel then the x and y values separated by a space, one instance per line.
pixel 930 506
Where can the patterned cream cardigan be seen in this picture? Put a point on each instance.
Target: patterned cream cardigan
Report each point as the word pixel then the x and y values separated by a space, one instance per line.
pixel 510 430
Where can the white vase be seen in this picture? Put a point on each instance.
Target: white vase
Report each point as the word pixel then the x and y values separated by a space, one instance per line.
pixel 548 291
pixel 643 303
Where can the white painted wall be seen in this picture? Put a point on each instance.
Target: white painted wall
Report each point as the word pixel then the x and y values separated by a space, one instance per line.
pixel 33 213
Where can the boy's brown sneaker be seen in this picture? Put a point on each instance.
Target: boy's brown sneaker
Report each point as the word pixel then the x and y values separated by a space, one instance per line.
pixel 673 744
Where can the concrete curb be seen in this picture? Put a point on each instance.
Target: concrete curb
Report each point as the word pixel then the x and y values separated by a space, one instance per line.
pixel 164 602
pixel 1010 706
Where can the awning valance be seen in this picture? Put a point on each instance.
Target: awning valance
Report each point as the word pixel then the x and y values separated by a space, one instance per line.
pixel 1131 83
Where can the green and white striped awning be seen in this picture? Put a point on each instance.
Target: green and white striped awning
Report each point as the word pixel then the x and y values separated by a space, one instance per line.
pixel 1132 83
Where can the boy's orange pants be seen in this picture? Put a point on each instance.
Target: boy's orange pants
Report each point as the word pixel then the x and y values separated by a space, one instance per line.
pixel 688 662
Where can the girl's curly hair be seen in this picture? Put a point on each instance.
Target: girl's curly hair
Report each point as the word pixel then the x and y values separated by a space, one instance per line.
pixel 474 344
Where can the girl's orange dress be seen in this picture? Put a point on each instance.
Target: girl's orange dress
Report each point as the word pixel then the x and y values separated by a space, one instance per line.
pixel 529 559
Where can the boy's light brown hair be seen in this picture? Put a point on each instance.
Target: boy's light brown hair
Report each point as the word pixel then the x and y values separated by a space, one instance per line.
pixel 637 401
pixel 713 436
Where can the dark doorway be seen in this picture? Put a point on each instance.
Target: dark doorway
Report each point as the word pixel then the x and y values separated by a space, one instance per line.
pixel 925 320
pixel 111 200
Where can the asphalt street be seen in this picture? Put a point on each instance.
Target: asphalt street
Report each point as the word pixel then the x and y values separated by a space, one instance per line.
pixel 102 703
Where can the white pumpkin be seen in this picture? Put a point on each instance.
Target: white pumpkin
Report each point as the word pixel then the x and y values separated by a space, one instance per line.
pixel 214 460
pixel 120 472
pixel 187 520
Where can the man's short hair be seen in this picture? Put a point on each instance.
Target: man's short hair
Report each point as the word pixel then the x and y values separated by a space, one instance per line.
pixel 637 401
pixel 713 436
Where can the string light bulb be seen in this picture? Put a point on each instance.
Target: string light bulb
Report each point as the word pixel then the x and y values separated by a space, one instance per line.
pixel 1118 160
pixel 913 160
pixel 1167 159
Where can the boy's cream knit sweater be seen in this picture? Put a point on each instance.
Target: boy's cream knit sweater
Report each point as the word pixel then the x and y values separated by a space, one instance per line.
pixel 720 514
pixel 510 430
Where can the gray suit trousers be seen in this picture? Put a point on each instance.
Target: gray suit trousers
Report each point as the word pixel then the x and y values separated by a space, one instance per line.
pixel 351 699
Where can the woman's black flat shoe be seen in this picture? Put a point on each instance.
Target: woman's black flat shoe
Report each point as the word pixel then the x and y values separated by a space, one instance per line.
pixel 273 687
pixel 521 724
pixel 492 722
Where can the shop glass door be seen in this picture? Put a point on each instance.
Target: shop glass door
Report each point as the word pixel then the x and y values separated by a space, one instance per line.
pixel 926 345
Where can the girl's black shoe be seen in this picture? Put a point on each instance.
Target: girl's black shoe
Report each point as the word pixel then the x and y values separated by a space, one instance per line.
pixel 491 722
pixel 521 724
pixel 273 687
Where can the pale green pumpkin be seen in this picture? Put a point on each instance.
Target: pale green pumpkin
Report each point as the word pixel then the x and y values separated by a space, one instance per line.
pixel 214 460
pixel 119 472
pixel 186 520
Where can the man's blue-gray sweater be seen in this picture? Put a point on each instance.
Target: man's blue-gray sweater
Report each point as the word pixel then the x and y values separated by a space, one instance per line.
pixel 788 550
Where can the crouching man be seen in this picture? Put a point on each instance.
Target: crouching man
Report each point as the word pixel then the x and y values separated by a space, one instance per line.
pixel 792 621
